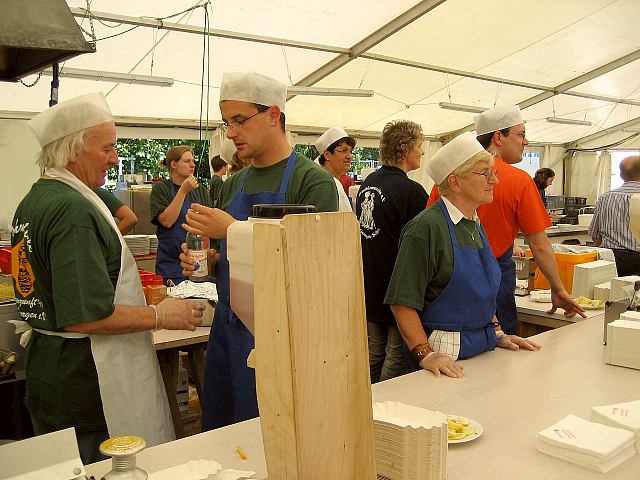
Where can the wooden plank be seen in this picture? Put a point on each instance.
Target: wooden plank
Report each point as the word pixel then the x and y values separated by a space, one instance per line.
pixel 272 355
pixel 330 364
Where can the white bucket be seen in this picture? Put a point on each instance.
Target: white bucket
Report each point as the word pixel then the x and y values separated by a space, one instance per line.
pixel 240 256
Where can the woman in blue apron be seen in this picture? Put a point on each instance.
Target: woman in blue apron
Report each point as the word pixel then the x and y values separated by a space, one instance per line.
pixel 170 201
pixel 229 385
pixel 460 321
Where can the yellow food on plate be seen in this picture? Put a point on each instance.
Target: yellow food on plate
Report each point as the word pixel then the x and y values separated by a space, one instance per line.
pixel 587 302
pixel 459 428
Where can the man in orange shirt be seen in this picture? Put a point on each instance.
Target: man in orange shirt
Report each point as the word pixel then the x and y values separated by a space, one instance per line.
pixel 516 206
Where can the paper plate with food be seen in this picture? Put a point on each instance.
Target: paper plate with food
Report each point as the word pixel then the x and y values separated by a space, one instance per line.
pixel 589 304
pixel 462 429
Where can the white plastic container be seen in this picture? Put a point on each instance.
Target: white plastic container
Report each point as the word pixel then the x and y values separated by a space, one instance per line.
pixel 585 219
pixel 240 256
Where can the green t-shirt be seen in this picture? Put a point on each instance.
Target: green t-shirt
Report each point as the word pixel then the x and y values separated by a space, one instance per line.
pixel 112 202
pixel 215 185
pixel 424 264
pixel 69 261
pixel 309 184
pixel 161 197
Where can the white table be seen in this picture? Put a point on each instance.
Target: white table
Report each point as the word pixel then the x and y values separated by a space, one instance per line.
pixel 512 394
pixel 560 233
pixel 533 317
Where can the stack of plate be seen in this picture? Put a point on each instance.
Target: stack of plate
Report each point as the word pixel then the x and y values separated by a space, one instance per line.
pixel 587 275
pixel 620 415
pixel 623 338
pixel 410 442
pixel 153 244
pixel 138 244
pixel 585 443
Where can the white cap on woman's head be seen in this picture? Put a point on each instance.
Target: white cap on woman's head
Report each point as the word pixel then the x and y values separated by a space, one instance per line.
pixel 69 117
pixel 253 88
pixel 227 149
pixel 498 118
pixel 452 155
pixel 330 136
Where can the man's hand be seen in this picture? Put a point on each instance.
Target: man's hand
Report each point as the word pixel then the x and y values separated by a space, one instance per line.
pixel 188 265
pixel 211 222
pixel 513 342
pixel 437 363
pixel 178 314
pixel 562 299
pixel 517 251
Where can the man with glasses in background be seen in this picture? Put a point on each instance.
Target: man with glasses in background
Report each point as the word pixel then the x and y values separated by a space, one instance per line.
pixel 252 107
pixel 516 206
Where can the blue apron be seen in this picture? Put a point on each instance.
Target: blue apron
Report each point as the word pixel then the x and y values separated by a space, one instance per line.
pixel 506 309
pixel 468 302
pixel 229 385
pixel 170 241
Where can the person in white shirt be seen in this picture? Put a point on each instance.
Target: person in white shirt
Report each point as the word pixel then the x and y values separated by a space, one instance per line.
pixel 336 151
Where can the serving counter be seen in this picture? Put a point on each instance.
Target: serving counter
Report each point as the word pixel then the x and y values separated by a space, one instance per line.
pixel 511 394
pixel 561 233
pixel 533 317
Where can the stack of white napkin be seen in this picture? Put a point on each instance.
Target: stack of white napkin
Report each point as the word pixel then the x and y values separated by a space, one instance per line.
pixel 623 338
pixel 592 445
pixel 410 442
pixel 587 275
pixel 620 415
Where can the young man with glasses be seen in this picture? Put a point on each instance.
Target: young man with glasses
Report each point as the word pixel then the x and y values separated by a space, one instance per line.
pixel 336 151
pixel 516 206
pixel 252 107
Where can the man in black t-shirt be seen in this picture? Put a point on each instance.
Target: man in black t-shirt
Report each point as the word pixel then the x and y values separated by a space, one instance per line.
pixel 386 201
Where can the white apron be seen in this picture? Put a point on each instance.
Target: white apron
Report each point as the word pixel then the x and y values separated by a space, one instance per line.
pixel 134 398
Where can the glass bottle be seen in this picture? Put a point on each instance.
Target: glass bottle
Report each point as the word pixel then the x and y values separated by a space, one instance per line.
pixel 198 246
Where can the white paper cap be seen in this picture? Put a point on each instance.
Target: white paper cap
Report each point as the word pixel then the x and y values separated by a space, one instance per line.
pixel 227 149
pixel 253 88
pixel 452 155
pixel 330 136
pixel 70 116
pixel 498 118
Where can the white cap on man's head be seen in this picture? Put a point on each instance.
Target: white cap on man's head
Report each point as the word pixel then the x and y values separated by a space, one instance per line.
pixel 227 149
pixel 329 137
pixel 452 155
pixel 498 118
pixel 70 116
pixel 253 88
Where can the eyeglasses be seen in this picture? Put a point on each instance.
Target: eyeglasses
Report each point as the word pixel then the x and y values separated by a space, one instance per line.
pixel 487 173
pixel 237 124
pixel 344 151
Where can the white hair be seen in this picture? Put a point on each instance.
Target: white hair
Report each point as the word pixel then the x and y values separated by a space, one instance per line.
pixel 57 153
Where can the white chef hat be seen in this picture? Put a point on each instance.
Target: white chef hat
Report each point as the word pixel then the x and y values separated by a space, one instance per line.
pixel 330 137
pixel 70 116
pixel 498 118
pixel 253 88
pixel 452 155
pixel 227 149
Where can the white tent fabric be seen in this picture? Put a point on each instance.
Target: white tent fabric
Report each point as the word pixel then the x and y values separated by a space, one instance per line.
pixel 412 54
pixel 591 165
pixel 552 158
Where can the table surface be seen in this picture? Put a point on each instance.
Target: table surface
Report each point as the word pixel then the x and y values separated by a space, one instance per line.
pixel 526 305
pixel 511 394
pixel 163 339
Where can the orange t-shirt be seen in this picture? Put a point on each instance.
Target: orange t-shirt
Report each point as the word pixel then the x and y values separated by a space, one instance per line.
pixel 516 206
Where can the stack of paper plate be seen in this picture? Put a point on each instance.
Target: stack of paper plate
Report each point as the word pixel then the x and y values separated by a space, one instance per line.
pixel 153 244
pixel 410 442
pixel 623 338
pixel 138 244
pixel 585 443
pixel 620 415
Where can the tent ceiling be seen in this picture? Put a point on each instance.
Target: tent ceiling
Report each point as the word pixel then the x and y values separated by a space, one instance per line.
pixel 535 46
